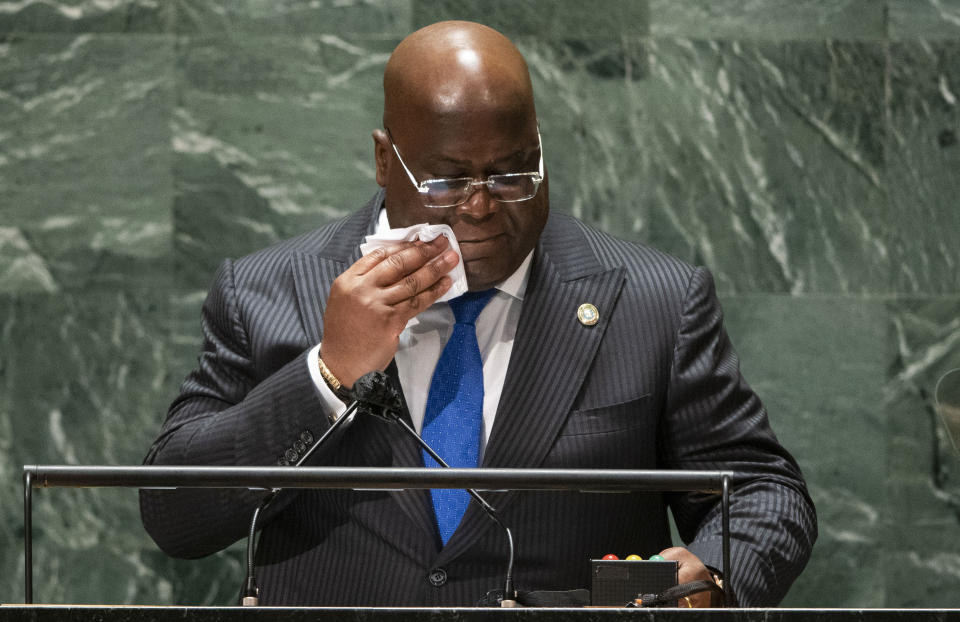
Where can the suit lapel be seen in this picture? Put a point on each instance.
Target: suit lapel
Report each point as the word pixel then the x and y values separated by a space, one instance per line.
pixel 313 276
pixel 314 269
pixel 551 357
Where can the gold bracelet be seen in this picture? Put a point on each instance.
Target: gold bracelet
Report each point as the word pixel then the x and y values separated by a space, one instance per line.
pixel 328 376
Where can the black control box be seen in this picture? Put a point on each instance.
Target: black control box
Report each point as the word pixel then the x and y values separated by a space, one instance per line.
pixel 618 582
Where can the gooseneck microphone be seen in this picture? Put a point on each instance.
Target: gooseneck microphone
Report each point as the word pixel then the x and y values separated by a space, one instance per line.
pixel 250 594
pixel 378 398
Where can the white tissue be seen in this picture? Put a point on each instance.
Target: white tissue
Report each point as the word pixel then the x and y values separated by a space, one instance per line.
pixel 424 233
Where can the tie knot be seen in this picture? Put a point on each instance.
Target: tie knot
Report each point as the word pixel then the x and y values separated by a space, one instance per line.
pixel 467 307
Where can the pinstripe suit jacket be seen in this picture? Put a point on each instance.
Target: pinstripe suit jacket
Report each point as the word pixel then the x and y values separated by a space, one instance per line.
pixel 655 384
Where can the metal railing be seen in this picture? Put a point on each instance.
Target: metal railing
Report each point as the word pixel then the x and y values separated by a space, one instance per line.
pixel 370 478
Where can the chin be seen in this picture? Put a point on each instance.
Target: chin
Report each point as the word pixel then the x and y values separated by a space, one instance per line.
pixel 480 279
pixel 485 277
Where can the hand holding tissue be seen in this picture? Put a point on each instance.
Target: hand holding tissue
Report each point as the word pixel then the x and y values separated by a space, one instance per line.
pixel 424 233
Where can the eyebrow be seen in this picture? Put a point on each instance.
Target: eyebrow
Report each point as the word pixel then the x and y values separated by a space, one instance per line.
pixel 443 159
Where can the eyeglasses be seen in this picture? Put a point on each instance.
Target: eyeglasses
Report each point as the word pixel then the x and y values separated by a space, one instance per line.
pixel 509 188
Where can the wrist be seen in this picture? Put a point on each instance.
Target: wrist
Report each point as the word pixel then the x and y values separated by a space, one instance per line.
pixel 332 380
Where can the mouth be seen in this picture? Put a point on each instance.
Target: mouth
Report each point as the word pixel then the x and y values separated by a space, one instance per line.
pixel 478 249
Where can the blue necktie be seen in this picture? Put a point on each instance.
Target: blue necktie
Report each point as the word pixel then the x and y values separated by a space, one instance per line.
pixel 453 418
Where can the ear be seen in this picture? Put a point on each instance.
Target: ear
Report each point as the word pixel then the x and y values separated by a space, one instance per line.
pixel 381 155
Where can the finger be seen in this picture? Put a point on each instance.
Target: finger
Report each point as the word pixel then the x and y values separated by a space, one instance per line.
pixel 406 261
pixel 415 304
pixel 372 259
pixel 421 280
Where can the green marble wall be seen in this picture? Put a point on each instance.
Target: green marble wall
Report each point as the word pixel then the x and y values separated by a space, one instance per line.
pixel 805 151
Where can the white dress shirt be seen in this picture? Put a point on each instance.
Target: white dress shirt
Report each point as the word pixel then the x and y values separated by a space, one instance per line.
pixel 425 336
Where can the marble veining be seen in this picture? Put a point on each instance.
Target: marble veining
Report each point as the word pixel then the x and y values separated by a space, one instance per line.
pixel 805 152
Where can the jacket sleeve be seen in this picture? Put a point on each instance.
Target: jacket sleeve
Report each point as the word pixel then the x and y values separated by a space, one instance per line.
pixel 224 415
pixel 713 421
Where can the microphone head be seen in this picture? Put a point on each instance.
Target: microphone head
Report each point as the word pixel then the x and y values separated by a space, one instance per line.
pixel 377 396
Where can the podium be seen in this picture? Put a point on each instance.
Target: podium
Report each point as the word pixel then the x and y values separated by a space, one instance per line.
pixel 268 478
pixel 370 478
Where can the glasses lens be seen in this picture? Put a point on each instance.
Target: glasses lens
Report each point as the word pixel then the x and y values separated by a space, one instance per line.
pixel 513 187
pixel 446 192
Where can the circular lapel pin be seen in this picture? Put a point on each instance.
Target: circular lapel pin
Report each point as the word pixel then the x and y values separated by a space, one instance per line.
pixel 588 314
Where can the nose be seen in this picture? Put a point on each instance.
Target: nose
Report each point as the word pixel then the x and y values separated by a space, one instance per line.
pixel 480 203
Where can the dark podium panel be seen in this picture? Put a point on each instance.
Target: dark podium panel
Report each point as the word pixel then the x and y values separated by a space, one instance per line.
pixel 66 613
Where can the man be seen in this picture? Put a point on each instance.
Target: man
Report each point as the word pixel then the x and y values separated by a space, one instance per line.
pixel 595 353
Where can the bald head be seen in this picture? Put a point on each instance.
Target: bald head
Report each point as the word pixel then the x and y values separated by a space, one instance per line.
pixel 458 104
pixel 450 69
